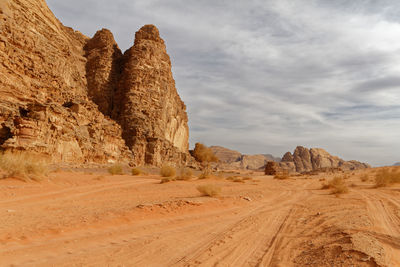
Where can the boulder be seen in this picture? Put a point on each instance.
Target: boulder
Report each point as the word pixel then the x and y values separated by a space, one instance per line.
pixel 272 168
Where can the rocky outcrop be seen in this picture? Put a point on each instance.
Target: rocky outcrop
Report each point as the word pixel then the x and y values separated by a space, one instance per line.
pixel 225 155
pixel 103 70
pixel 152 115
pixel 306 160
pixel 231 159
pixel 272 168
pixel 44 105
pixel 67 96
pixel 288 157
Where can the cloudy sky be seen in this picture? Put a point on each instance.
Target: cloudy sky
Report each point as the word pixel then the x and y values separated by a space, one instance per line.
pixel 263 76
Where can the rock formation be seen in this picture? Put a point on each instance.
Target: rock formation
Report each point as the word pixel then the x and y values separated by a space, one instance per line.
pixel 272 168
pixel 305 160
pixel 67 96
pixel 231 159
pixel 152 115
pixel 226 155
pixel 103 70
pixel 396 164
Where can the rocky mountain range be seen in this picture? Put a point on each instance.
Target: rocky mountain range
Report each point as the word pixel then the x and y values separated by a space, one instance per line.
pixel 396 164
pixel 305 160
pixel 80 99
pixel 231 159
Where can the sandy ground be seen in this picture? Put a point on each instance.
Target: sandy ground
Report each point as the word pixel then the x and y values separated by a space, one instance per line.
pixel 78 219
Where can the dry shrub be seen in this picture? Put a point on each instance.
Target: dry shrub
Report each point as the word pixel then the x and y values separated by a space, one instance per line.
pixel 238 180
pixel 203 154
pixel 167 180
pixel 184 174
pixel 136 171
pixel 167 171
pixel 385 177
pixel 24 166
pixel 209 190
pixel 364 178
pixel 205 174
pixel 115 169
pixel 337 186
pixel 281 176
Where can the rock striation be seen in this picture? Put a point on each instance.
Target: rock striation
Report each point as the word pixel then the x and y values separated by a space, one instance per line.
pixel 80 99
pixel 152 115
pixel 314 159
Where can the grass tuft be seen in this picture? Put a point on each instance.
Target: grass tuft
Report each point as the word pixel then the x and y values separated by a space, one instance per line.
pixel 281 176
pixel 385 177
pixel 136 171
pixel 184 174
pixel 209 190
pixel 115 169
pixel 167 171
pixel 337 186
pixel 23 166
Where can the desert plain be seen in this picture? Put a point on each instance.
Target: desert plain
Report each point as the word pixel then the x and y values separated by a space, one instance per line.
pixel 88 217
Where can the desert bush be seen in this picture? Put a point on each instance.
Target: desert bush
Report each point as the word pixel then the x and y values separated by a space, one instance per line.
pixel 281 176
pixel 166 180
pixel 337 186
pixel 205 174
pixel 136 171
pixel 364 178
pixel 385 178
pixel 184 174
pixel 115 169
pixel 238 180
pixel 209 190
pixel 24 166
pixel 167 171
pixel 204 154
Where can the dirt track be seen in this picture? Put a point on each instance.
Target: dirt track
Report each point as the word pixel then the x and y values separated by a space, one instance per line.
pixel 89 220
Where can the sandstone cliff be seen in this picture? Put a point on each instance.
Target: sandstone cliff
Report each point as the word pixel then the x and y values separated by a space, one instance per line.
pixel 152 115
pixel 67 96
pixel 305 160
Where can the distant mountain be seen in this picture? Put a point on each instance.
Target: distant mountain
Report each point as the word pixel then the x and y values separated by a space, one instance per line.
pixel 305 160
pixel 232 159
pixel 396 164
pixel 226 155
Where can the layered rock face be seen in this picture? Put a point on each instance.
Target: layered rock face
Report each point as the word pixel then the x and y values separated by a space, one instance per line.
pixel 305 160
pixel 152 115
pixel 66 95
pixel 103 69
pixel 43 94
